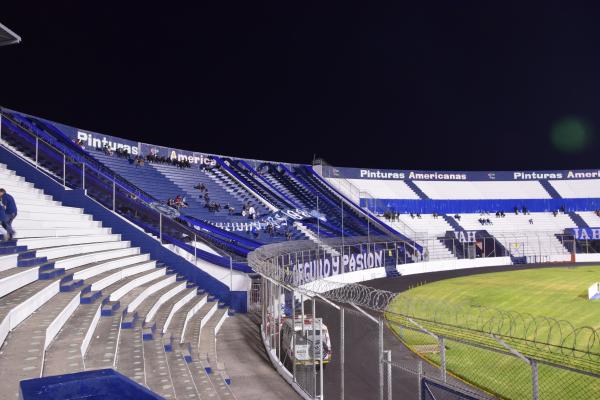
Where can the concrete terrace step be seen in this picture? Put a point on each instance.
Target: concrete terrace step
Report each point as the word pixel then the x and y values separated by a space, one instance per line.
pixel 39 243
pixel 164 311
pixel 71 250
pixel 23 223
pixel 29 338
pixel 102 350
pixel 57 232
pixel 146 302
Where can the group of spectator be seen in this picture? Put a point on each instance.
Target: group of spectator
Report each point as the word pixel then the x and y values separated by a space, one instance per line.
pixel 391 215
pixel 272 230
pixel 562 210
pixel 485 221
pixel 119 152
pixel 249 211
pixel 178 202
pixel 156 159
pixel 524 210
pixel 500 214
pixel 137 161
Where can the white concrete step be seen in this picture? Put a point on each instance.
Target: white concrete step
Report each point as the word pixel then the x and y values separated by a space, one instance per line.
pixel 64 251
pixel 25 202
pixel 41 207
pixel 56 232
pixel 111 265
pixel 76 261
pixel 23 223
pixel 37 243
pixel 47 216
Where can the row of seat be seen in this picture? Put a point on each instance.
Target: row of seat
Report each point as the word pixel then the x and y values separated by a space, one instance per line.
pixel 74 297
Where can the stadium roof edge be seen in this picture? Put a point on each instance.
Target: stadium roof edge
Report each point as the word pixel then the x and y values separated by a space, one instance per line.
pixel 7 36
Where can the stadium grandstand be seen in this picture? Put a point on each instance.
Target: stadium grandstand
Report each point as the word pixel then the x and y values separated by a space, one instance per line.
pixel 133 256
pixel 133 270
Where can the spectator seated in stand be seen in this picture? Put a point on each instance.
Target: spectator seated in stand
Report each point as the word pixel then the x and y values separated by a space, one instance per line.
pixel 121 152
pixel 457 217
pixel 155 158
pixel 107 150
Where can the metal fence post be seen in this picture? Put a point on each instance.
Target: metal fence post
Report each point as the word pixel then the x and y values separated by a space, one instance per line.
pixel 114 194
pixel 321 371
pixel 534 380
pixel 381 383
pixel 342 353
pixel 83 177
pixel 442 358
pixel 195 250
pixel 388 358
pixel 160 227
pixel 37 141
pixel 64 171
pixel 314 333
pixel 420 378
pixel 294 334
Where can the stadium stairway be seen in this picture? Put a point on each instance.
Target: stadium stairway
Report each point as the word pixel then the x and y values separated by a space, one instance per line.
pixel 550 189
pixel 590 218
pixel 73 295
pixel 576 218
pixel 452 222
pixel 417 190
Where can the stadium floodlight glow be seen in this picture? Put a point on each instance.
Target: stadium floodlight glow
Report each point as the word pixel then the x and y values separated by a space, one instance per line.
pixel 8 37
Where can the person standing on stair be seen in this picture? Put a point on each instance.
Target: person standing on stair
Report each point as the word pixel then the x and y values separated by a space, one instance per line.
pixel 10 213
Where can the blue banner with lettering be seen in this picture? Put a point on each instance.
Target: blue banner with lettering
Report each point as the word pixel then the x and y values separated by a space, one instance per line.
pixel 584 233
pixel 419 175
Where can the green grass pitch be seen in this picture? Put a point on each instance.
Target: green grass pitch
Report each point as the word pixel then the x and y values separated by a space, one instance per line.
pixel 559 293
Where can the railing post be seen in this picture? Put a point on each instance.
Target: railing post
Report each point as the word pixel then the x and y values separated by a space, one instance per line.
pixel 381 383
pixel 313 342
pixel 342 353
pixel 230 278
pixel 64 171
pixel 160 227
pixel 442 345
pixel 114 194
pixel 388 358
pixel 195 248
pixel 83 177
pixel 534 380
pixel 37 141
pixel 420 378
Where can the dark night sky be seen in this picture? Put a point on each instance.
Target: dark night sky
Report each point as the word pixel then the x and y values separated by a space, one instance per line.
pixel 446 85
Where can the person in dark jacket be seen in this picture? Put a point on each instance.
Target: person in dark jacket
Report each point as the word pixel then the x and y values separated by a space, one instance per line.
pixel 10 213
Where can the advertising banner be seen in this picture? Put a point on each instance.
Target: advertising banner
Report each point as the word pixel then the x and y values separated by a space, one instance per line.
pixel 584 233
pixel 330 265
pixel 416 175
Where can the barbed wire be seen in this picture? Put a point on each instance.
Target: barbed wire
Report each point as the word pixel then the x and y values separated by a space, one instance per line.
pixel 535 333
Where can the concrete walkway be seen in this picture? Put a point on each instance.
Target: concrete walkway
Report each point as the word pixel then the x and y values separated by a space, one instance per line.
pixel 240 348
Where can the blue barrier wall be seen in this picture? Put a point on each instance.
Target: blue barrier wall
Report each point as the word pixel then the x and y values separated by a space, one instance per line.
pixel 138 238
pixel 429 206
pixel 102 384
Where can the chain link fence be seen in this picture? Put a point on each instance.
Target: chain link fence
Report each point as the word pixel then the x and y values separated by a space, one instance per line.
pixel 347 344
